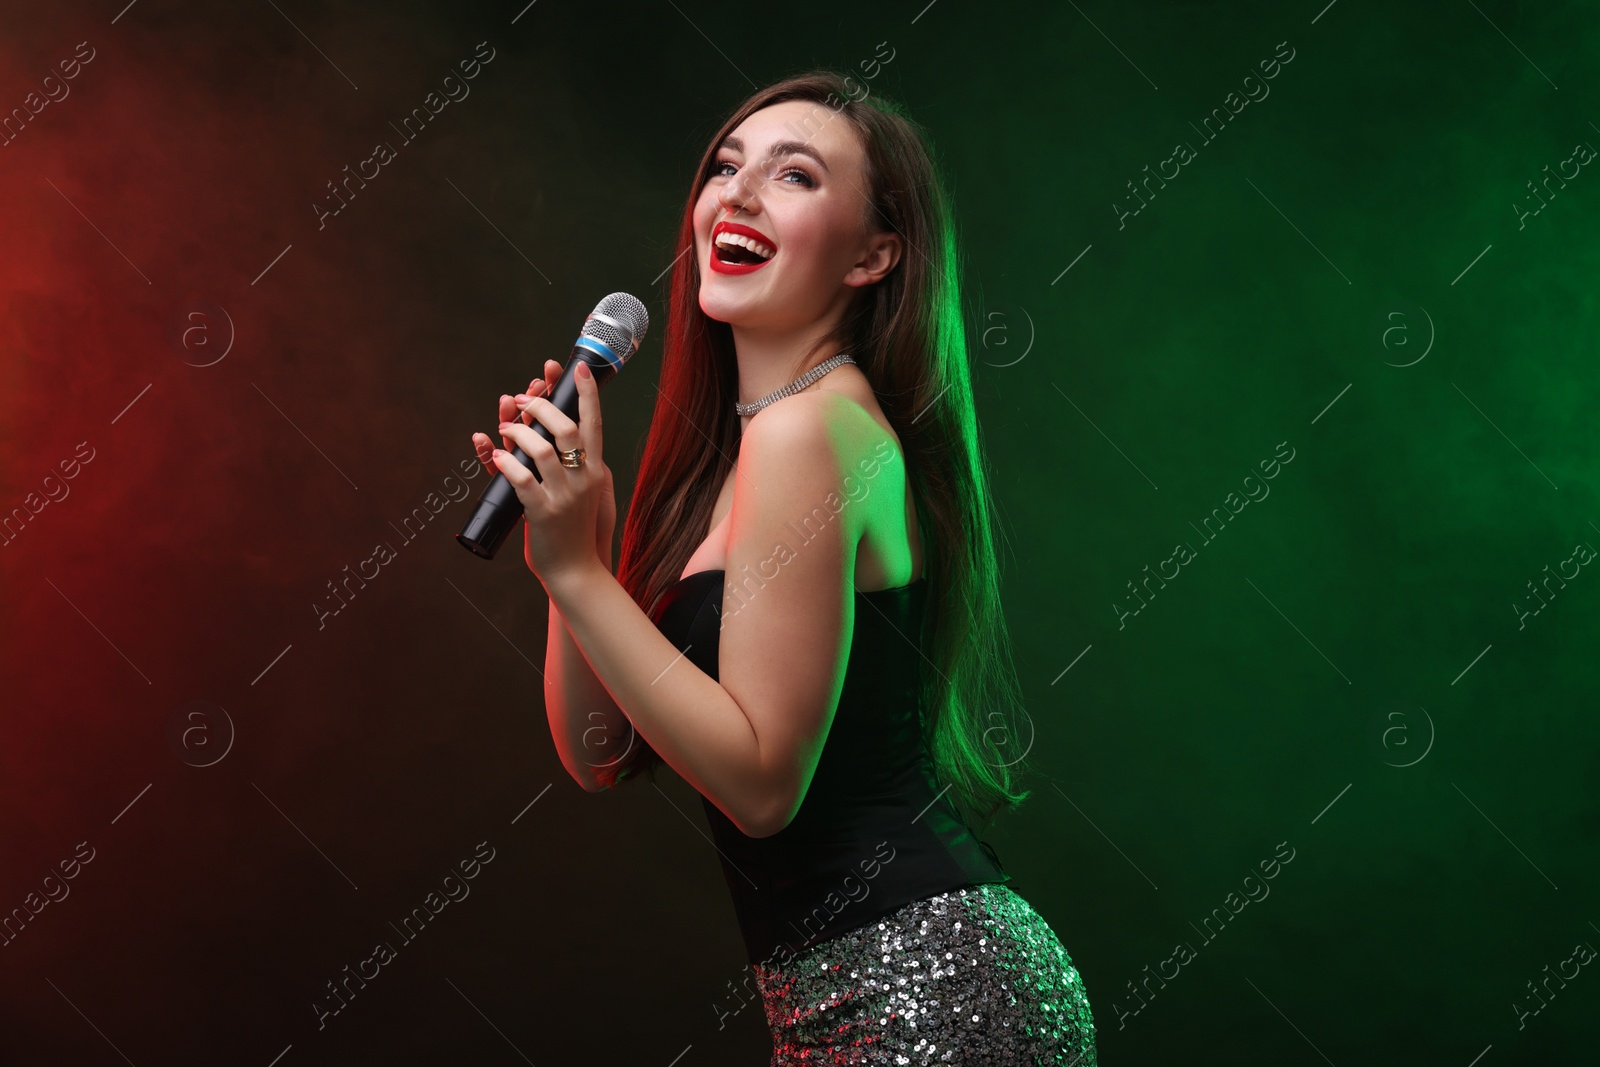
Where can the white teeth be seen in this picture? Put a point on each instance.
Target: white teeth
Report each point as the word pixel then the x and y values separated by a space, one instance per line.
pixel 764 251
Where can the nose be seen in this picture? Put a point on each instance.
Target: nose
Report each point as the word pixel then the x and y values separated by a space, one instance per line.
pixel 740 193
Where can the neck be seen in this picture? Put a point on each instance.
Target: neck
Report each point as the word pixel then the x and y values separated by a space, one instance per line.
pixel 768 362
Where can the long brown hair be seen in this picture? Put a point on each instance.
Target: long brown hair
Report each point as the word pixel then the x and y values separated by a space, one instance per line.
pixel 907 334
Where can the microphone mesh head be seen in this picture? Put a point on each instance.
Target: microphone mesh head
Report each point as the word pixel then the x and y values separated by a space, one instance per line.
pixel 619 322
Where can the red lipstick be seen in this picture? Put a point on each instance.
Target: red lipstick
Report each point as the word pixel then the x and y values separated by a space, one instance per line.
pixel 720 267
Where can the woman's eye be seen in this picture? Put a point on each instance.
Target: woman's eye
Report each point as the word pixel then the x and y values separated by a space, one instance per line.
pixel 805 179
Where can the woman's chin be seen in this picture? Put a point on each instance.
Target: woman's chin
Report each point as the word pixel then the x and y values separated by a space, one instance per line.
pixel 732 312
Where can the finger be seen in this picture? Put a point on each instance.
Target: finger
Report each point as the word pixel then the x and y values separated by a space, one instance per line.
pixel 540 386
pixel 520 477
pixel 537 387
pixel 485 449
pixel 555 420
pixel 589 415
pixel 509 409
pixel 542 452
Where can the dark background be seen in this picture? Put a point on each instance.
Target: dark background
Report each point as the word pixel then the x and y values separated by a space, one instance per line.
pixel 1343 670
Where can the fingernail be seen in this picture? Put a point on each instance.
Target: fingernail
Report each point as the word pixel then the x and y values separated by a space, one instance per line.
pixel 584 371
pixel 522 398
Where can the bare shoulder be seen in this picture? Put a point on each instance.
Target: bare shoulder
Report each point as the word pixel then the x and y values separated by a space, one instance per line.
pixel 807 443
pixel 818 416
pixel 828 432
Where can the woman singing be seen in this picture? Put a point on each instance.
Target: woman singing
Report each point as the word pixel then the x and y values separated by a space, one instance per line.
pixel 805 621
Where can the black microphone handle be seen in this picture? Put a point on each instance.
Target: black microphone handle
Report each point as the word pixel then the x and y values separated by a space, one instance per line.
pixel 495 514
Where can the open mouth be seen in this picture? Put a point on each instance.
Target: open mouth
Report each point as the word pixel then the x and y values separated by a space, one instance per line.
pixel 738 253
pixel 733 245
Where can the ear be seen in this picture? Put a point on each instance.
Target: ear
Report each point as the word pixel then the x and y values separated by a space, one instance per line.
pixel 879 256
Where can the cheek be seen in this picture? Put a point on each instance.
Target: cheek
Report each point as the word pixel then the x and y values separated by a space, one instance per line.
pixel 822 233
pixel 705 208
pixel 812 249
pixel 697 218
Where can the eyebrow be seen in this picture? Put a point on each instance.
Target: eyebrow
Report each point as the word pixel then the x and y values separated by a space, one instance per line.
pixel 779 148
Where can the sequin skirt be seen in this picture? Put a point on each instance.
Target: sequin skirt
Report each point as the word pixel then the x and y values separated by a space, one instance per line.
pixel 972 976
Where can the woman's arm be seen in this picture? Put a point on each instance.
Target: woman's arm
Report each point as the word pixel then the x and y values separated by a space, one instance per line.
pixel 586 725
pixel 750 743
pixel 589 730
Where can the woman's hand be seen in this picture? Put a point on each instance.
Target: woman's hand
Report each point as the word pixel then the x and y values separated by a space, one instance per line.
pixel 568 502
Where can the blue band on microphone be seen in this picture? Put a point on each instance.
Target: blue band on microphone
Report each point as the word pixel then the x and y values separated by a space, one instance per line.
pixel 601 350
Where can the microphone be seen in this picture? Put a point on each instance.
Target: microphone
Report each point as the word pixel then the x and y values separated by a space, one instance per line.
pixel 611 335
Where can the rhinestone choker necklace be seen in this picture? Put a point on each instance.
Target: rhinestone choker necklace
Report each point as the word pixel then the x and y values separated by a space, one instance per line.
pixel 795 386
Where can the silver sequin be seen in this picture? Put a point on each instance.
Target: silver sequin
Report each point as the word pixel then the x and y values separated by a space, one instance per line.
pixel 974 976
